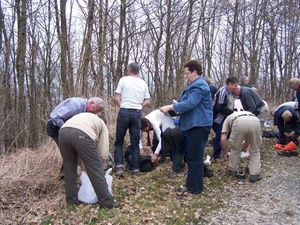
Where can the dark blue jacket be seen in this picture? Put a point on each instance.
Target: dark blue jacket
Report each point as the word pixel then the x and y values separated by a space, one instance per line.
pixel 278 120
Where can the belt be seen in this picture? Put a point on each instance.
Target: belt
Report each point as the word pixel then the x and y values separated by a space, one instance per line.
pixel 137 110
pixel 246 115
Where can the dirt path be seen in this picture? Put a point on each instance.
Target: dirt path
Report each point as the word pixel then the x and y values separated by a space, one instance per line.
pixel 273 200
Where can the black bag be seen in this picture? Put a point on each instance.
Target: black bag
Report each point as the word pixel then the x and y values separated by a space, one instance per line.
pixel 145 161
pixel 145 164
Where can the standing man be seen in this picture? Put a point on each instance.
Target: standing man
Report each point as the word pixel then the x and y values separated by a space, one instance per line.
pixel 131 96
pixel 294 84
pixel 67 109
pixel 223 107
pixel 196 117
pixel 85 135
pixel 242 126
pixel 252 102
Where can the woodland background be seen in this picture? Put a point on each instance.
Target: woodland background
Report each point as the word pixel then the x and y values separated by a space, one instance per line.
pixel 52 50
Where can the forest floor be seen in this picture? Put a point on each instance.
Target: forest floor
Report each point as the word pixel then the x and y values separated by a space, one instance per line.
pixel 31 193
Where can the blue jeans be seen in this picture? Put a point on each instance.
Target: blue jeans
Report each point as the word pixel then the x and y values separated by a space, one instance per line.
pixel 217 128
pixel 196 143
pixel 128 119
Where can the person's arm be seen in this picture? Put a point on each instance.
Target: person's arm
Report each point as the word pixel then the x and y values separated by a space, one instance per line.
pixel 166 108
pixel 224 145
pixel 118 99
pixel 146 102
pixel 222 108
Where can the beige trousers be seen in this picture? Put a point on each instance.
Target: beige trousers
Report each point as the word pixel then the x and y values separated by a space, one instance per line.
pixel 245 128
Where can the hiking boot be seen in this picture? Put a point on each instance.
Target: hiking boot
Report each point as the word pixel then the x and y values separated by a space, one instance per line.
pixel 232 173
pixel 284 153
pixel 135 174
pixel 254 178
pixel 174 174
pixel 114 205
pixel 208 172
pixel 119 172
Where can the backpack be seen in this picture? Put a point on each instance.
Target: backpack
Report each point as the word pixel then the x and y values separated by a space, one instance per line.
pixel 145 161
pixel 145 164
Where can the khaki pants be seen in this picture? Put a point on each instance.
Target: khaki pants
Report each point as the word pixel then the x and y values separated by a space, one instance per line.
pixel 245 127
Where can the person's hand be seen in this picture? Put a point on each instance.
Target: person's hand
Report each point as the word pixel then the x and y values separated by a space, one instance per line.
pixel 165 108
pixel 142 152
pixel 226 156
pixel 82 167
pixel 154 158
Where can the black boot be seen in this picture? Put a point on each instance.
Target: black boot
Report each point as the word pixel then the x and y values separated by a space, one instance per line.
pixel 208 172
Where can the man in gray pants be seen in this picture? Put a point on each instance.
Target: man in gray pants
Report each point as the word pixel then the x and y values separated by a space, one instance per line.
pixel 85 136
pixel 244 129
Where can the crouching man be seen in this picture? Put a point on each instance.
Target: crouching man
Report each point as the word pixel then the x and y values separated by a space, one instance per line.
pixel 85 135
pixel 242 126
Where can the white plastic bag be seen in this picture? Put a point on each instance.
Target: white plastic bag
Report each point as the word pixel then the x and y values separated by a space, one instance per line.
pixel 109 180
pixel 86 191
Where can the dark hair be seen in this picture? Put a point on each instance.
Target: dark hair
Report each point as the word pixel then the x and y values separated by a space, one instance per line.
pixel 232 80
pixel 144 123
pixel 134 68
pixel 194 65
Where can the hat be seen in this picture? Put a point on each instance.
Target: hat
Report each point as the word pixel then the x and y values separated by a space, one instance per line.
pixel 286 115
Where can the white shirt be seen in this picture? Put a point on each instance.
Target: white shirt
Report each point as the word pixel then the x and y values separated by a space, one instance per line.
pixel 133 91
pixel 157 119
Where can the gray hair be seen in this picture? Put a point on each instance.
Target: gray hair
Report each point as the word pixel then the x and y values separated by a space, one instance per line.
pixel 244 78
pixel 293 81
pixel 98 101
pixel 134 68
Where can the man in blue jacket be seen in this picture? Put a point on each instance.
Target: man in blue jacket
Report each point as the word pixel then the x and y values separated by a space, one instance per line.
pixel 286 118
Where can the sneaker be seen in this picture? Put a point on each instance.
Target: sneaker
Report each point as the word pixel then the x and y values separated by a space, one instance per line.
pixel 232 173
pixel 182 188
pixel 244 155
pixel 135 174
pixel 176 174
pixel 254 178
pixel 119 172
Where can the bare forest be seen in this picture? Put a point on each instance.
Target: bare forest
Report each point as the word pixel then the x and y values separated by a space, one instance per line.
pixel 52 50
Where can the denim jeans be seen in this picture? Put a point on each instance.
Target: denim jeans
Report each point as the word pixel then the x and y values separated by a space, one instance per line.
pixel 196 143
pixel 217 128
pixel 128 119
